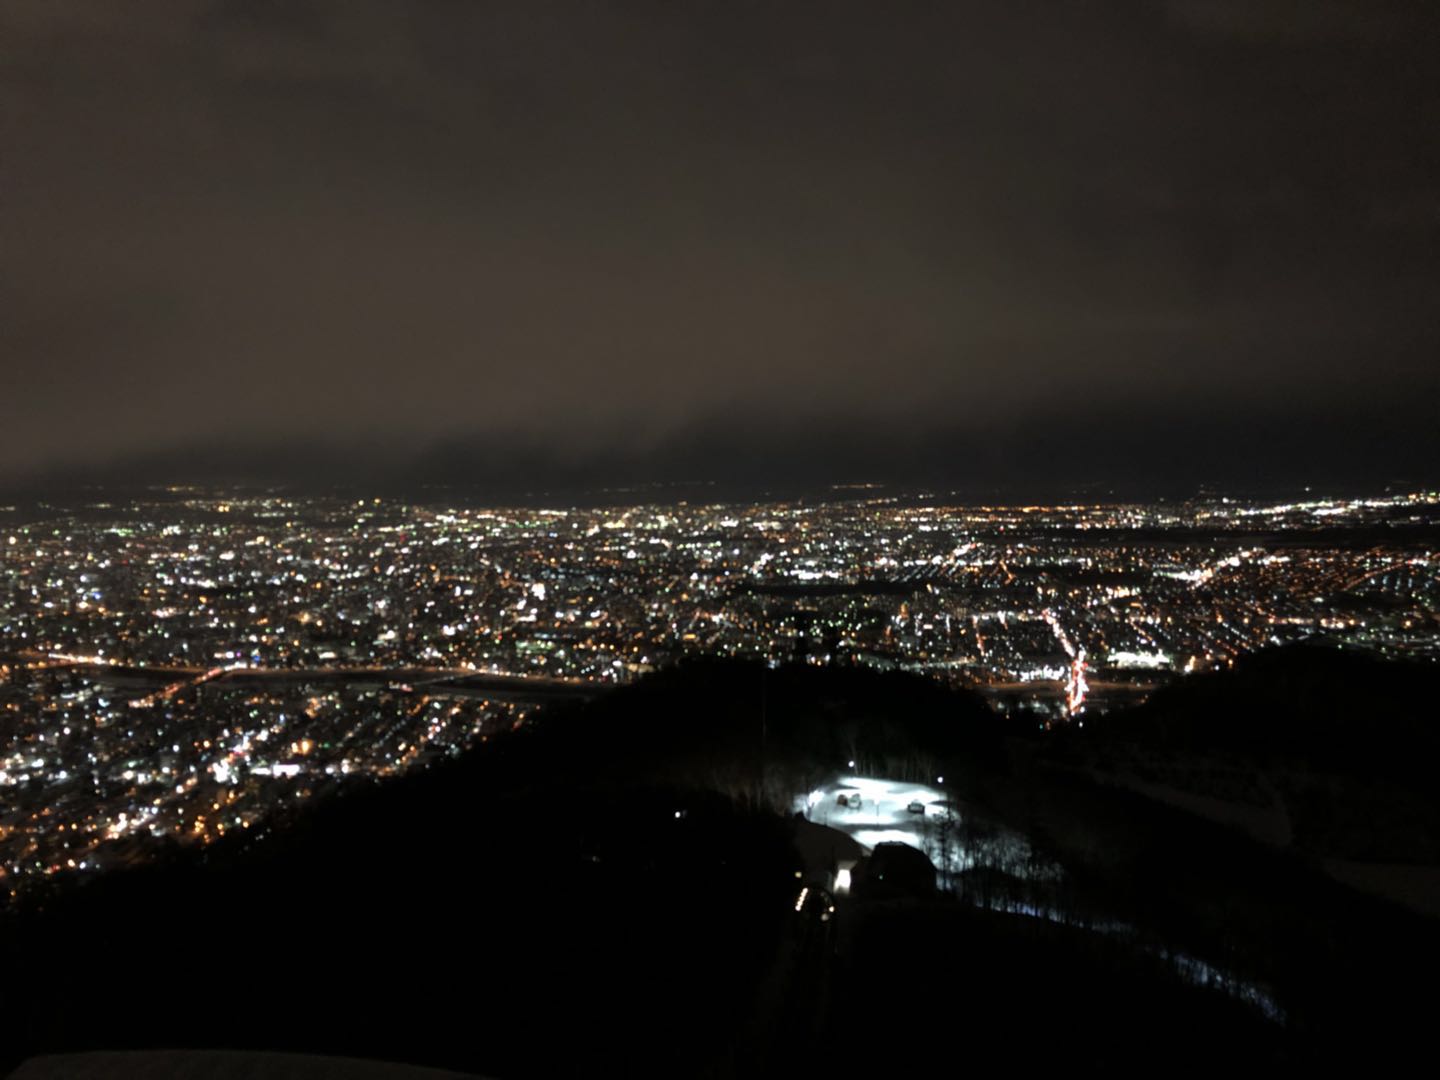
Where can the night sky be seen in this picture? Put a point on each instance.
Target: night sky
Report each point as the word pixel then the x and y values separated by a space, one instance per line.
pixel 1000 245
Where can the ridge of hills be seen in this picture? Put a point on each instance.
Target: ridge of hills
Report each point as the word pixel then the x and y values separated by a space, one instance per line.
pixel 611 886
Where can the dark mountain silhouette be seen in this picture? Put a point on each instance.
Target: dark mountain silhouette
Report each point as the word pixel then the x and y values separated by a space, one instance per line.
pixel 604 889
pixel 611 890
pixel 765 734
pixel 1326 750
pixel 1301 706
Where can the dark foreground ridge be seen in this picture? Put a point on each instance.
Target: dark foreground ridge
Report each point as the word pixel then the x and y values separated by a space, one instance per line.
pixel 613 891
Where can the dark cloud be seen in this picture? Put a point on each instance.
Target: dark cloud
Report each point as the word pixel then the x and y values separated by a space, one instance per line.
pixel 614 230
pixel 1346 21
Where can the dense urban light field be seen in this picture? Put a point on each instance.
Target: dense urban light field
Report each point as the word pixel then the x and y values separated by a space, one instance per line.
pixel 190 662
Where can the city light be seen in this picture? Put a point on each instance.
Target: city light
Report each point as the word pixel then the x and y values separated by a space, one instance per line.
pixel 167 661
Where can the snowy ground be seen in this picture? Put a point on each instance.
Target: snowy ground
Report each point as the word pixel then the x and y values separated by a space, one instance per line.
pixel 883 813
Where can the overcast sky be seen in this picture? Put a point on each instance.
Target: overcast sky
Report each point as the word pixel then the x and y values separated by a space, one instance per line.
pixel 873 235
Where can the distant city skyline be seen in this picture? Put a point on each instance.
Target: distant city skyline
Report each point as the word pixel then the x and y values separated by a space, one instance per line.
pixel 168 656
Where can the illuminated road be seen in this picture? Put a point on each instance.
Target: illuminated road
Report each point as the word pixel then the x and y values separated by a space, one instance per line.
pixel 435 682
pixel 1075 685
